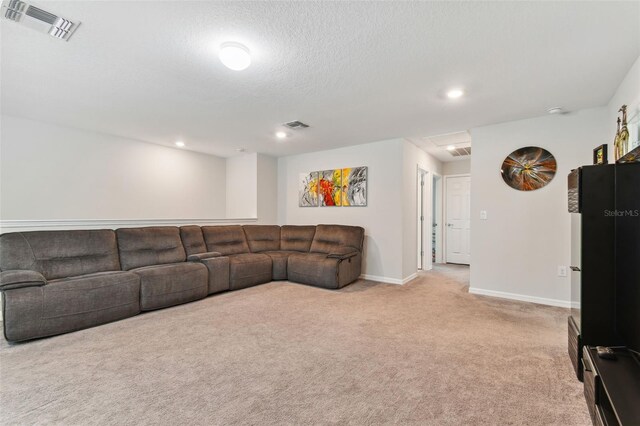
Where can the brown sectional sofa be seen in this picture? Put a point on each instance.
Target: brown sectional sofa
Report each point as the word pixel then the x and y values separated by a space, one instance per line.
pixel 55 282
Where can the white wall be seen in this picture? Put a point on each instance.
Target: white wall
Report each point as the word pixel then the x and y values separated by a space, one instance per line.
pixel 516 251
pixel 53 172
pixel 414 158
pixel 462 167
pixel 252 187
pixel 381 219
pixel 242 187
pixel 267 174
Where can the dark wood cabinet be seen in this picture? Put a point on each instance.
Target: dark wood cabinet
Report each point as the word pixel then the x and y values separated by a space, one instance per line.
pixel 627 255
pixel 593 242
pixel 604 202
pixel 612 387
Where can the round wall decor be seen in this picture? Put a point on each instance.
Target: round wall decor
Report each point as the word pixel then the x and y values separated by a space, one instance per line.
pixel 528 168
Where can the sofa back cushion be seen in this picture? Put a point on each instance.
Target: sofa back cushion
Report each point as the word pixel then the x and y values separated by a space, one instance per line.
pixel 330 237
pixel 262 237
pixel 154 245
pixel 226 240
pixel 296 238
pixel 192 239
pixel 60 254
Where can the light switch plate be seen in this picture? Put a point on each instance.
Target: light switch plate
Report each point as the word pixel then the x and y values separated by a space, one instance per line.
pixel 562 271
pixel 483 214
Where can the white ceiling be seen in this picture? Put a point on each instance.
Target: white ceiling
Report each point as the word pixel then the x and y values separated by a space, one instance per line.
pixel 356 72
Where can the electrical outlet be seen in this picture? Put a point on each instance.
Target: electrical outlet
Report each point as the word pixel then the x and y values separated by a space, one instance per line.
pixel 483 214
pixel 562 271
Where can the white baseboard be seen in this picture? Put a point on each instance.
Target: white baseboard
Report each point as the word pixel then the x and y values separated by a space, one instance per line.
pixel 521 297
pixel 63 224
pixel 388 280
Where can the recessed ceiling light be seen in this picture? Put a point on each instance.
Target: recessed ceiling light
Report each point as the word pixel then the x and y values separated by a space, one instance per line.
pixel 180 144
pixel 451 148
pixel 235 56
pixel 455 93
pixel 281 135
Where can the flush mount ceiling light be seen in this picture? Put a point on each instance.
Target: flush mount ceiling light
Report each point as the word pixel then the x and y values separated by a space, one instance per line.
pixel 281 135
pixel 38 19
pixel 235 56
pixel 180 144
pixel 555 110
pixel 451 148
pixel 455 93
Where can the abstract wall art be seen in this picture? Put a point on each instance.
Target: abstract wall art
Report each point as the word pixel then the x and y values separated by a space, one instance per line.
pixel 308 190
pixel 330 187
pixel 529 168
pixel 354 186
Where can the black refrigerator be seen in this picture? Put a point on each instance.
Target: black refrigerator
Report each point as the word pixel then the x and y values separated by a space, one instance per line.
pixel 604 202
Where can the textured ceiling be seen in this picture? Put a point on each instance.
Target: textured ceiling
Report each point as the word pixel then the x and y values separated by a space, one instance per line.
pixel 355 71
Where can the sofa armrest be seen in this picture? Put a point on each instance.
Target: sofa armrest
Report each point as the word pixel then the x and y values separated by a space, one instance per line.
pixel 20 278
pixel 343 253
pixel 201 256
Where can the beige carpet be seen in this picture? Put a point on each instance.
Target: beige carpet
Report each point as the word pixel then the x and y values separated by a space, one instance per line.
pixel 424 353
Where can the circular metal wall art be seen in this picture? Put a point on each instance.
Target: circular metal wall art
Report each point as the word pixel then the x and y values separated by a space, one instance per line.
pixel 528 168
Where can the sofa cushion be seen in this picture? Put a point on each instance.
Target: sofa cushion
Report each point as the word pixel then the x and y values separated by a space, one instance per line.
pixel 226 240
pixel 249 269
pixel 70 304
pixel 192 239
pixel 172 284
pixel 329 238
pixel 58 254
pixel 153 245
pixel 319 270
pixel 279 259
pixel 262 237
pixel 296 238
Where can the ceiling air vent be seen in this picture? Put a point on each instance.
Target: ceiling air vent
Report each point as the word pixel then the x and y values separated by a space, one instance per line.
pixel 38 19
pixel 295 125
pixel 460 152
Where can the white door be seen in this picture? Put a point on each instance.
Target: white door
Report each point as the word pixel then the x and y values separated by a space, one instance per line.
pixel 458 211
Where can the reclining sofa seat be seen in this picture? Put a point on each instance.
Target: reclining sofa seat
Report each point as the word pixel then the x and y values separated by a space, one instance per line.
pixel 157 256
pixel 55 282
pixel 246 269
pixel 334 259
pixel 279 243
pixel 293 239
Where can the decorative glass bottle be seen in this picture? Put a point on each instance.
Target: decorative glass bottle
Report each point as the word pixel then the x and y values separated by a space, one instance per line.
pixel 616 143
pixel 624 133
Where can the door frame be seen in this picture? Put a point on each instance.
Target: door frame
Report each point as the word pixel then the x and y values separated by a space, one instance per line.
pixel 437 189
pixel 444 208
pixel 423 194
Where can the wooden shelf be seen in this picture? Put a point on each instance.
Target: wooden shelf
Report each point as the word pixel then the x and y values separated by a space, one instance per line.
pixel 618 394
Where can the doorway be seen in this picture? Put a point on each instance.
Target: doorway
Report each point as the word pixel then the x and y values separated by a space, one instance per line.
pixel 458 219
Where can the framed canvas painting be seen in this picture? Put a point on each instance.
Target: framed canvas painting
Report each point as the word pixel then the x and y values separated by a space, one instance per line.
pixel 308 190
pixel 354 186
pixel 330 187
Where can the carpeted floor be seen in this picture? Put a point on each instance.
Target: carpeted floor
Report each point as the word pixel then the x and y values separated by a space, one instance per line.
pixel 424 353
